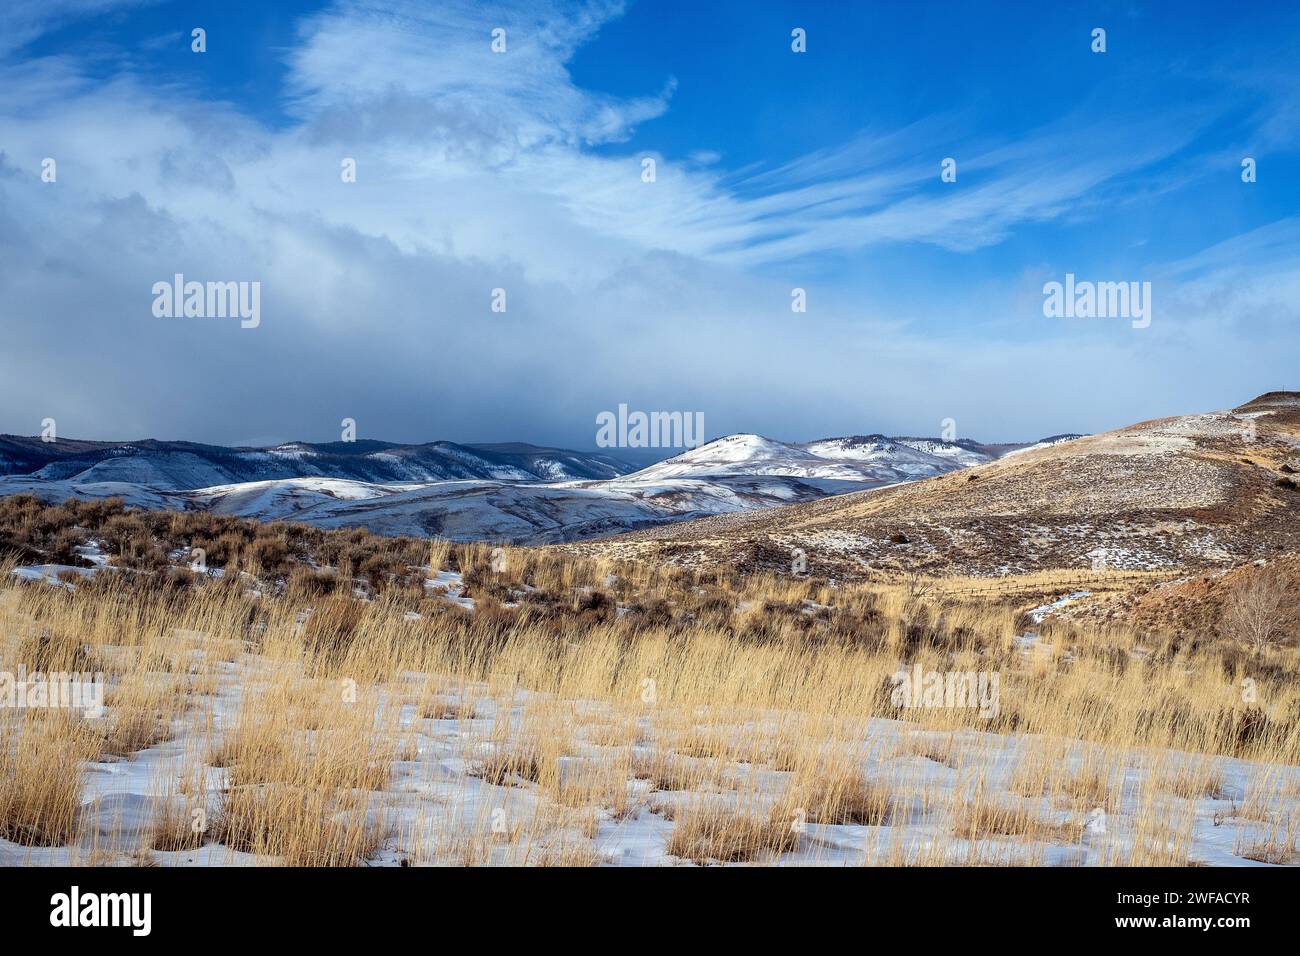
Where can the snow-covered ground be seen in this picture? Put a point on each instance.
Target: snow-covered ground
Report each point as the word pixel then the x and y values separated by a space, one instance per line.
pixel 1038 613
pixel 436 811
pixel 62 574
pixel 449 584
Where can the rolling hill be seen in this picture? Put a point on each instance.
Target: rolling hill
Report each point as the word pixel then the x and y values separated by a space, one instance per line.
pixel 505 492
pixel 182 466
pixel 1199 491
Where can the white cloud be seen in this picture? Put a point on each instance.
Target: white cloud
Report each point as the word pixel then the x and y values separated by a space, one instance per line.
pixel 474 172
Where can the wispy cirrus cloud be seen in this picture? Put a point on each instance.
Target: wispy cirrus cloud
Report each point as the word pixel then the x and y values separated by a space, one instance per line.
pixel 426 72
pixel 22 22
pixel 422 80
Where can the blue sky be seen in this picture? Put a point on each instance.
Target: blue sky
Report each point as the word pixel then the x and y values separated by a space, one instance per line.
pixel 522 170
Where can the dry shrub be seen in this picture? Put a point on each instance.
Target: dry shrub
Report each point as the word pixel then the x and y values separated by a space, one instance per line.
pixel 41 777
pixel 305 796
pixel 142 711
pixel 56 649
pixel 441 708
pixel 938 751
pixel 174 827
pixel 329 631
pixel 508 767
pixel 1091 778
pixel 718 835
pixel 1191 780
pixel 1259 611
pixel 841 795
pixel 666 772
pixel 979 820
pixel 581 855
pixel 299 825
pixel 1279 844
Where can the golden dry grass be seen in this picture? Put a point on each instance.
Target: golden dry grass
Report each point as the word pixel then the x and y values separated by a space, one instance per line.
pixel 740 726
pixel 41 761
pixel 714 835
pixel 834 793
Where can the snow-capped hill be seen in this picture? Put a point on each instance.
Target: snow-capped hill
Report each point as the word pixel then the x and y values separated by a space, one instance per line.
pixel 740 450
pixel 963 451
pixel 869 460
pixel 895 456
pixel 285 499
pixel 746 454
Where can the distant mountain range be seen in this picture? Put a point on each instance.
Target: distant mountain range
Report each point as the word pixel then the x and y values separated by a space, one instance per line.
pixel 505 492
pixel 177 466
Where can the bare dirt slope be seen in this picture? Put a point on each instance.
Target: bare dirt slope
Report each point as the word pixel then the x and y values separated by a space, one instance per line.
pixel 1192 492
pixel 1192 604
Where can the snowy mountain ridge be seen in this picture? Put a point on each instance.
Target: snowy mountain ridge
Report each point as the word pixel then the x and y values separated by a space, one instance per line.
pixel 505 492
pixel 182 466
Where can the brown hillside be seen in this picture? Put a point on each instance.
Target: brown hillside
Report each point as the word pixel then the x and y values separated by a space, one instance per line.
pixel 1192 492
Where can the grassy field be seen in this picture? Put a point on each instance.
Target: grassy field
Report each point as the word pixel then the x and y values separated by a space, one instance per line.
pixel 332 698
